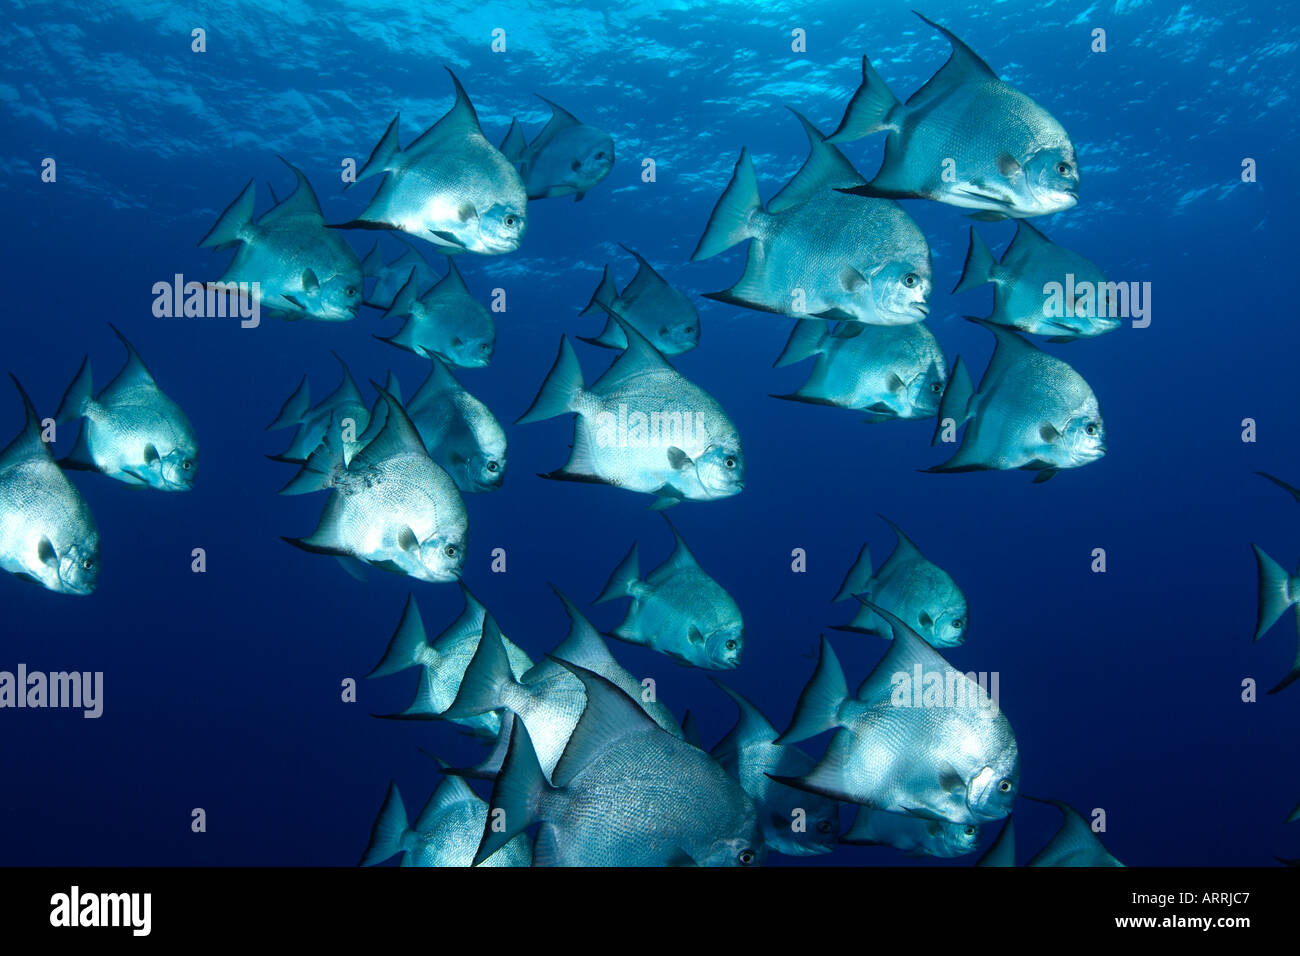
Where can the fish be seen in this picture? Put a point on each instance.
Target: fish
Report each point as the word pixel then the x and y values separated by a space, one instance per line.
pixel 1032 411
pixel 1277 592
pixel 312 422
pixel 568 157
pixel 817 252
pixel 1291 490
pixel 47 534
pixel 643 427
pixel 443 662
pixel 954 759
pixel 131 431
pixel 391 506
pixel 678 610
pixel 1075 844
pixel 660 312
pixel 625 793
pixel 915 836
pixel 450 186
pixel 390 277
pixel 967 139
pixel 446 833
pixel 1021 281
pixel 911 586
pixel 460 432
pixel 1002 852
pixel 547 699
pixel 892 372
pixel 794 822
pixel 446 322
pixel 302 270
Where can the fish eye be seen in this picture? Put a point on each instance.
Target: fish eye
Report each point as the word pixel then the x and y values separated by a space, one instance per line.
pixel 510 220
pixel 493 466
pixel 969 831
pixel 350 291
pixel 730 645
pixel 187 464
pixel 824 826
pixel 1091 429
pixel 746 857
pixel 911 279
pixel 1063 168
pixel 1004 786
pixel 575 165
pixel 937 388
pixel 450 551
pixel 88 564
pixel 689 329
pixel 600 155
pixel 729 461
pixel 958 624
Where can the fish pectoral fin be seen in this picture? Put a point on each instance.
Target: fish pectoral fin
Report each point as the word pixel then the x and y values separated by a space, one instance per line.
pixel 926 620
pixel 694 636
pixel 677 458
pixel 46 554
pixel 1048 433
pixel 310 284
pixel 1007 165
pixel 151 456
pixel 406 539
pixel 1045 475
pixel 851 279
pixel 894 383
pixel 466 212
pixel 951 781
pixel 447 238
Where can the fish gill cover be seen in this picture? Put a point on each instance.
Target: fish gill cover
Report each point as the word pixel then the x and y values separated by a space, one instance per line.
pixel 796 201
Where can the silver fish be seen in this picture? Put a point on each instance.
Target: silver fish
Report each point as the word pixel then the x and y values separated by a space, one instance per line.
pixel 625 793
pixel 1075 844
pixel 131 431
pixel 460 432
pixel 818 252
pixel 663 314
pixel 568 157
pixel 794 822
pixel 443 662
pixel 446 321
pixel 967 139
pixel 1022 279
pixel 301 268
pixel 312 422
pixel 919 737
pixel 391 506
pixel 678 610
pixel 643 427
pixel 446 833
pixel 1278 591
pixel 450 186
pixel 911 586
pixel 47 533
pixel 390 277
pixel 889 371
pixel 1002 852
pixel 1031 411
pixel 915 836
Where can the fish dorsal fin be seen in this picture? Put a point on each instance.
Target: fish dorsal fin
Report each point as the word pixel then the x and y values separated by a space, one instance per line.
pixel 28 442
pixel 561 119
pixel 133 373
pixel 347 392
pixel 450 284
pixel 1011 346
pixel 1027 245
pixel 1075 839
pixel 681 559
pixel 470 620
pixel 583 645
pixel 750 723
pixel 1003 850
pixel 906 548
pixel 451 791
pixel 397 438
pixel 963 66
pixel 459 122
pixel 439 382
pixel 638 357
pixel 408 260
pixel 514 145
pixel 608 716
pixel 825 168
pixel 906 651
pixel 646 277
pixel 299 204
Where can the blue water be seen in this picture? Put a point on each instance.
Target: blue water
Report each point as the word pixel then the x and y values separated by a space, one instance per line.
pixel 223 689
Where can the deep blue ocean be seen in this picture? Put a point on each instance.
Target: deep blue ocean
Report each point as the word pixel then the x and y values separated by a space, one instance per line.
pixel 223 690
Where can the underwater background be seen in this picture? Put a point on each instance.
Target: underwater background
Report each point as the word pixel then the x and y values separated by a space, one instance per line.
pixel 222 690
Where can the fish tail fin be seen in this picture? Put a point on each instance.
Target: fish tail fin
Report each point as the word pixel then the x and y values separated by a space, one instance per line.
pixel 373 262
pixel 819 704
pixel 295 407
pixel 1275 594
pixel 625 575
pixel 381 157
pixel 867 109
pixel 407 645
pixel 956 400
pixel 406 298
pixel 561 389
pixel 513 146
pixel 1292 676
pixel 324 467
pixel 486 677
pixel 731 218
pixel 806 340
pixel 517 793
pixel 979 264
pixel 78 396
pixel 603 298
pixel 855 582
pixel 231 224
pixel 388 834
